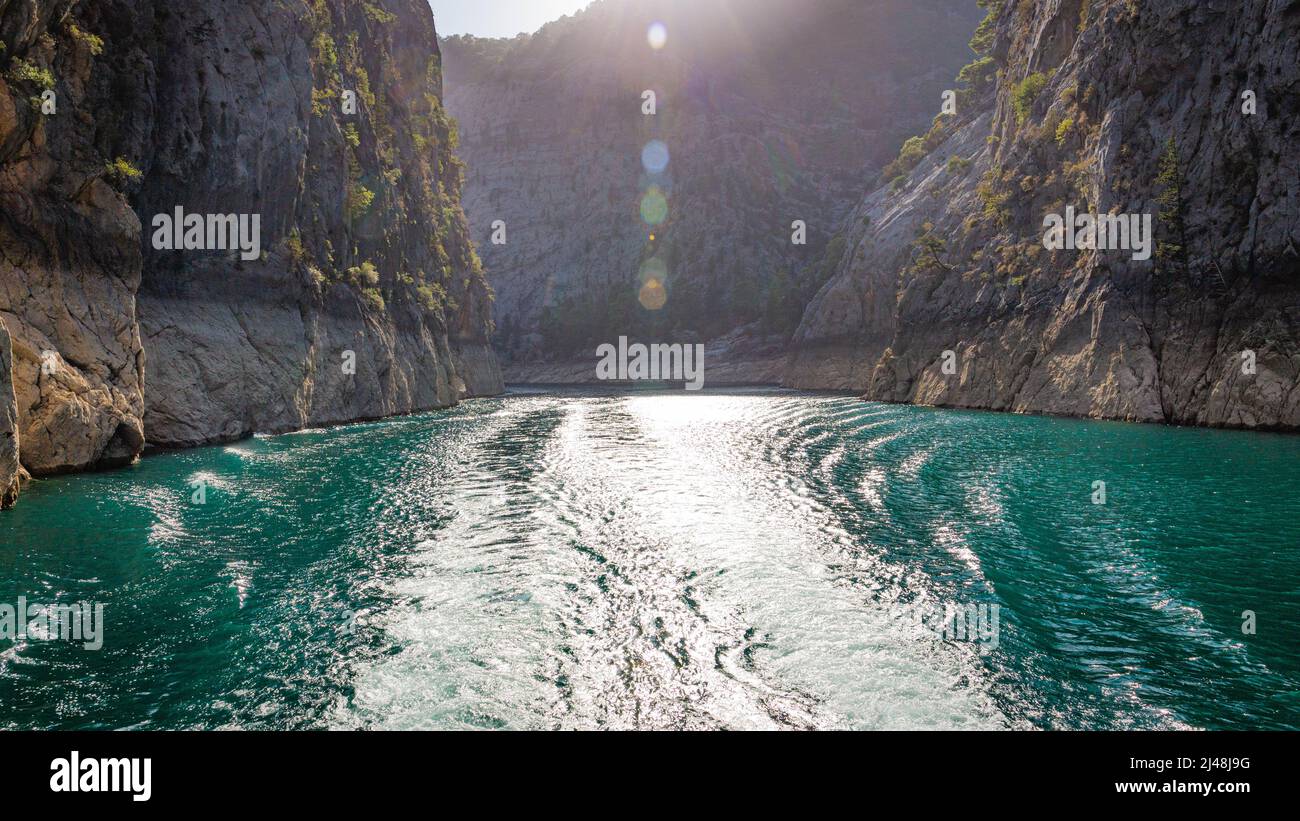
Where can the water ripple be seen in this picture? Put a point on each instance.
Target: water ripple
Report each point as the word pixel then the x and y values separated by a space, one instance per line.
pixel 670 560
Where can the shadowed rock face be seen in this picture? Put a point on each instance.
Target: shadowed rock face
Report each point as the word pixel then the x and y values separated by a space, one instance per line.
pixel 229 108
pixel 1094 332
pixel 247 118
pixel 771 111
pixel 10 470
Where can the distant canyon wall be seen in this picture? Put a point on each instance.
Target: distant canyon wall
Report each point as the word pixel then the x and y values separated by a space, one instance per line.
pixel 770 111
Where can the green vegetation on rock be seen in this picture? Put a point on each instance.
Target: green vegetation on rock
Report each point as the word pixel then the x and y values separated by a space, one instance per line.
pixel 1172 244
pixel 1025 93
pixel 120 172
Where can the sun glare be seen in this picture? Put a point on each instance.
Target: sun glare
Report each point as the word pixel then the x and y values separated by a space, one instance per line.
pixel 657 36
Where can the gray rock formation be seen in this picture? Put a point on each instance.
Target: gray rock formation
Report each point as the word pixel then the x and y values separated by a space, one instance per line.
pixel 771 111
pixel 367 250
pixel 1110 106
pixel 10 470
pixel 231 108
pixel 69 253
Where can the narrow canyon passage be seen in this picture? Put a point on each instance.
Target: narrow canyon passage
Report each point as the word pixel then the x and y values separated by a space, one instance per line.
pixel 651 559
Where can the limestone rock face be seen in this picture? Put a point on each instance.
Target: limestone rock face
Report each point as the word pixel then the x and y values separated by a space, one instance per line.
pixel 367 298
pixel 770 111
pixel 10 470
pixel 1108 106
pixel 69 254
pixel 369 285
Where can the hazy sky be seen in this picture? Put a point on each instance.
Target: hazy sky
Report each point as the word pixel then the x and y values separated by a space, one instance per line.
pixel 499 18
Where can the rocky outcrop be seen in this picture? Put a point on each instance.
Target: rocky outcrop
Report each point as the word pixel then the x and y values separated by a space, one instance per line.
pixel 770 111
pixel 369 285
pixel 1111 107
pixel 367 297
pixel 69 250
pixel 10 469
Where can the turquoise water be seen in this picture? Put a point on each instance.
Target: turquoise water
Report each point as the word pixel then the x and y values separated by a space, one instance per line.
pixel 646 559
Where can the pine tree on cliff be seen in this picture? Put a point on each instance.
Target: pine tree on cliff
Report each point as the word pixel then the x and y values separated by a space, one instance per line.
pixel 1172 246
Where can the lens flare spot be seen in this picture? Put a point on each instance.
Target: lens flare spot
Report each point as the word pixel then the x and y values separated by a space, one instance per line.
pixel 655 157
pixel 657 36
pixel 653 270
pixel 653 295
pixel 654 206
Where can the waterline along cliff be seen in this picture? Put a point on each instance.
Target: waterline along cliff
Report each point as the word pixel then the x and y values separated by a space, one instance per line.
pixel 951 292
pixel 322 119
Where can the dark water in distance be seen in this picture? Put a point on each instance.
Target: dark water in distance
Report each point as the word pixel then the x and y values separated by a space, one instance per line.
pixel 580 558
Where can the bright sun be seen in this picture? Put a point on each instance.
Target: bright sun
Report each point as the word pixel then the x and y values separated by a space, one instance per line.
pixel 499 18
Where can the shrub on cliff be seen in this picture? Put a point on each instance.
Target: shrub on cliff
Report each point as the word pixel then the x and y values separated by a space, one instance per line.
pixel 120 173
pixel 21 71
pixel 91 41
pixel 914 150
pixel 1025 93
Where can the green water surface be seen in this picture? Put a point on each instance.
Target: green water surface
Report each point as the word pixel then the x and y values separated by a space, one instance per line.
pixel 661 559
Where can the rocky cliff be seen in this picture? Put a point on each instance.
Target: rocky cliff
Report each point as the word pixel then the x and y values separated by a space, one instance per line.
pixel 1184 110
pixel 10 468
pixel 675 223
pixel 69 248
pixel 324 119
